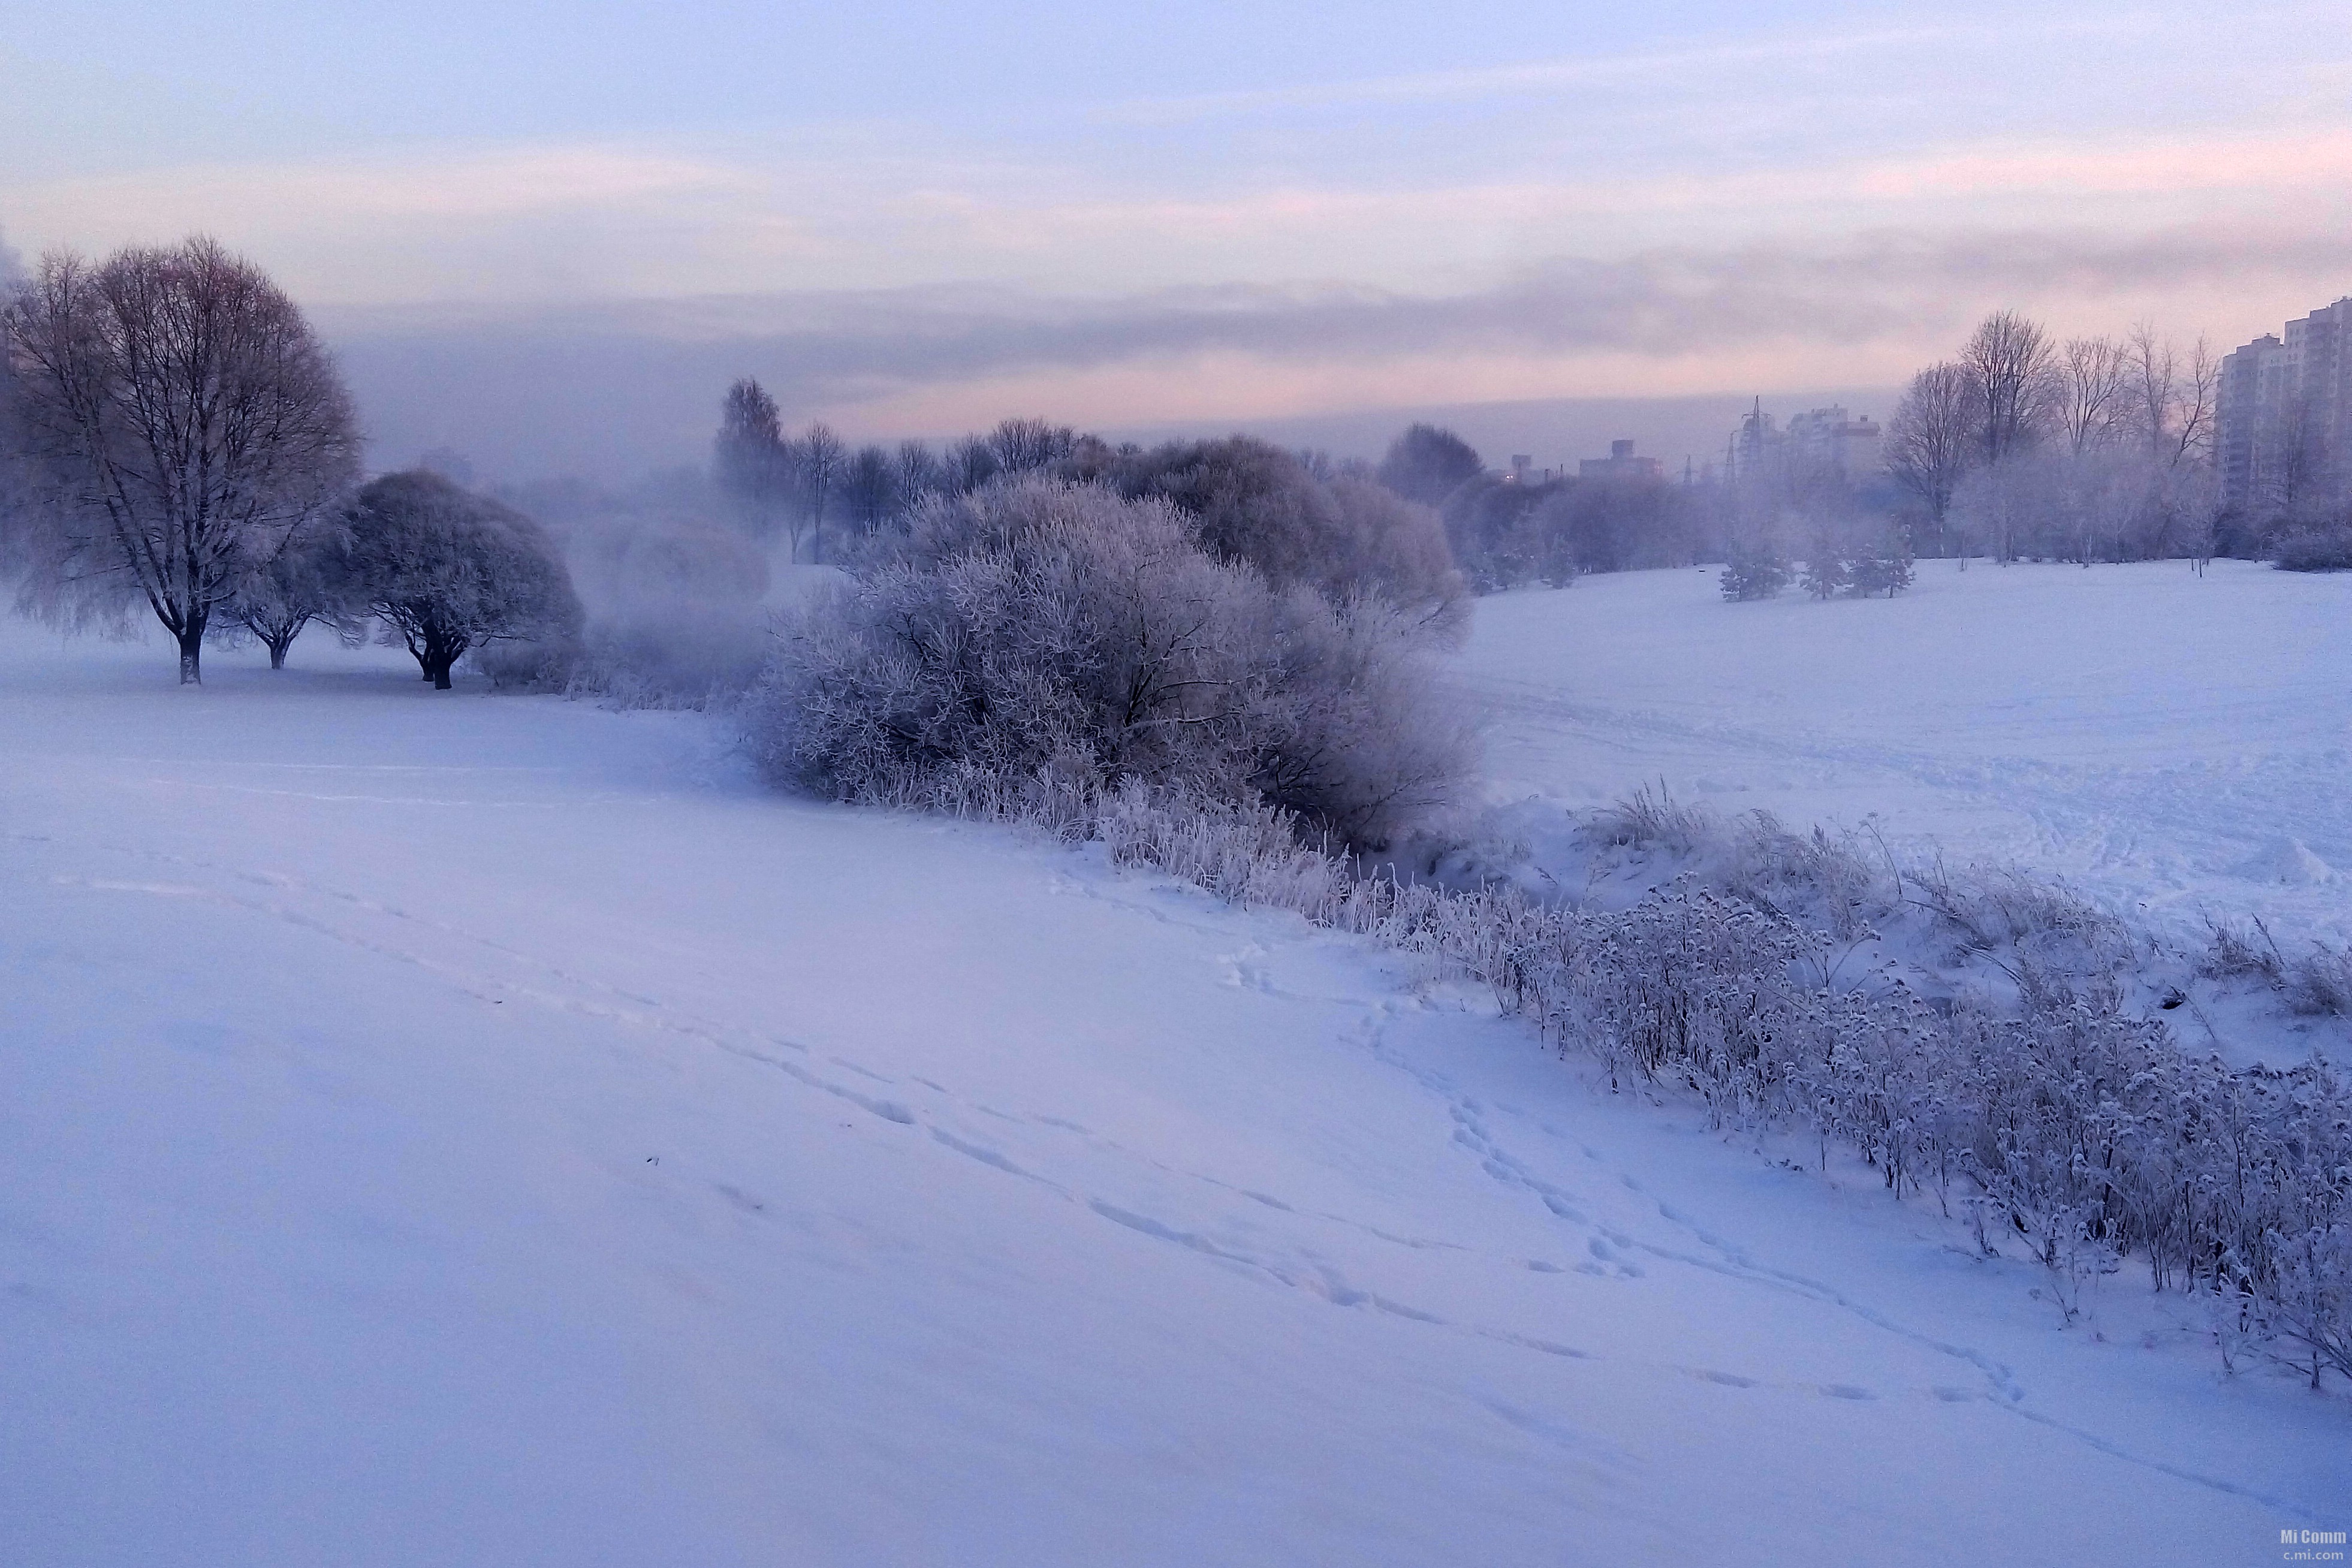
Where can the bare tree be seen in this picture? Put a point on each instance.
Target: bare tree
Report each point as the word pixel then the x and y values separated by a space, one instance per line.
pixel 869 487
pixel 2088 386
pixel 1933 439
pixel 748 458
pixel 2194 404
pixel 818 461
pixel 182 420
pixel 1021 445
pixel 972 462
pixel 920 470
pixel 299 585
pixel 2009 359
pixel 2171 403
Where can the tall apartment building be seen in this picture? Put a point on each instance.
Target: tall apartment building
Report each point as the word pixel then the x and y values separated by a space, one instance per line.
pixel 1830 435
pixel 2283 428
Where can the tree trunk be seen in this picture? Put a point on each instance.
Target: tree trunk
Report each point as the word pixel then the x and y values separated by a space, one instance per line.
pixel 191 647
pixel 278 646
pixel 438 655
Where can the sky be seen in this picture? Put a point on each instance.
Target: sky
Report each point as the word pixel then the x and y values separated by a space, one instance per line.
pixel 549 237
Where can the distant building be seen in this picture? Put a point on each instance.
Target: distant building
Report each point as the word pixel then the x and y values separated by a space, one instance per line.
pixel 2253 391
pixel 1829 436
pixel 2284 427
pixel 1619 464
pixel 1848 443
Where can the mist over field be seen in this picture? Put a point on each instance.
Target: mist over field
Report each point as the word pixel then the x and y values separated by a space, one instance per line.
pixel 858 785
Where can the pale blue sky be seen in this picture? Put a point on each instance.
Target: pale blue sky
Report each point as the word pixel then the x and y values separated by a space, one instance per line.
pixel 916 217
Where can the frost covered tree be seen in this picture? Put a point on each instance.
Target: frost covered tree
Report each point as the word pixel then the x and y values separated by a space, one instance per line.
pixel 178 420
pixel 1021 446
pixel 749 460
pixel 1933 439
pixel 1428 463
pixel 2009 361
pixel 819 463
pixel 301 584
pixel 447 571
pixel 2089 393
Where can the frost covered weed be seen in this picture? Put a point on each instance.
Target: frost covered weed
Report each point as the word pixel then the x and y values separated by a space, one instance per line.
pixel 2317 983
pixel 1644 820
pixel 2065 1125
pixel 1829 872
pixel 2233 954
pixel 2320 981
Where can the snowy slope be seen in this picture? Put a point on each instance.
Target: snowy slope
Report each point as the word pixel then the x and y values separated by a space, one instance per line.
pixel 472 1130
pixel 2167 742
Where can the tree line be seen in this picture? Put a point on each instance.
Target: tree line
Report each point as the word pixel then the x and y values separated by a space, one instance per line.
pixel 2084 449
pixel 174 438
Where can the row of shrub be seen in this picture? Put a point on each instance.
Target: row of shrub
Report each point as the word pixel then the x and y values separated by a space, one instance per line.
pixel 2058 1122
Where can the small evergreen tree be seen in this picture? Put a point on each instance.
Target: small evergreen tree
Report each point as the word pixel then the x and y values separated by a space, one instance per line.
pixel 1886 567
pixel 1755 571
pixel 1827 573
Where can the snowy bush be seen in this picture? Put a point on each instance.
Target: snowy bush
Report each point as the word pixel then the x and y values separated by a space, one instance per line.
pixel 2316 549
pixel 1033 627
pixel 1346 537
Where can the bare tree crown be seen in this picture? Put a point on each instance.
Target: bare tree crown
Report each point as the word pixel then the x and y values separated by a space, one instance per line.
pixel 182 420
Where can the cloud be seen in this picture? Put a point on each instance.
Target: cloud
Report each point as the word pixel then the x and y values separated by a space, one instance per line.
pixel 594 386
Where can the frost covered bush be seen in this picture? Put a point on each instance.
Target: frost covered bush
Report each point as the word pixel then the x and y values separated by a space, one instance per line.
pixel 1035 628
pixel 2318 548
pixel 1349 538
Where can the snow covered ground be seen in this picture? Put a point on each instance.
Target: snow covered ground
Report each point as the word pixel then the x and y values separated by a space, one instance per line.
pixel 454 1129
pixel 2171 744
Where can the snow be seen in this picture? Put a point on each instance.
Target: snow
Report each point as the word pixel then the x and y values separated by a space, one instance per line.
pixel 2174 745
pixel 483 1129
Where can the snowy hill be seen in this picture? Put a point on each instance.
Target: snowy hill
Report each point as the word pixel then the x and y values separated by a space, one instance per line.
pixel 472 1130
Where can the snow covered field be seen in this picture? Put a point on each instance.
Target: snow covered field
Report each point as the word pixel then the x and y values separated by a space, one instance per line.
pixel 469 1130
pixel 2167 743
